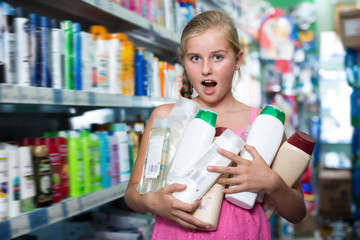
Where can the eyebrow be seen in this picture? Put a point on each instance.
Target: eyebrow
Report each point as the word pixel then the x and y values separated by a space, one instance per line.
pixel 213 52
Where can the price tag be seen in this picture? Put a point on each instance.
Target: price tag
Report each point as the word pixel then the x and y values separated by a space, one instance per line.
pixel 9 93
pixel 38 219
pixel 82 98
pixel 91 98
pixel 55 213
pixel 19 226
pixel 58 98
pixel 72 207
pixel 45 95
pixel 68 97
pixel 5 230
pixel 28 94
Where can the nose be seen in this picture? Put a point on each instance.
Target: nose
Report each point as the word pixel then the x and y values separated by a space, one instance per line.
pixel 206 67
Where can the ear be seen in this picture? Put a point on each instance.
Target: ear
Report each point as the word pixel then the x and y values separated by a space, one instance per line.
pixel 239 59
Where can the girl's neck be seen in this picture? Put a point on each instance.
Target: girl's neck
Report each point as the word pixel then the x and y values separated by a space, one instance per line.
pixel 226 104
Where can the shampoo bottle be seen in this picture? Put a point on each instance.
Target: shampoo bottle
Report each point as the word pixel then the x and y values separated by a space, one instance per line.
pixel 105 160
pixel 27 184
pixel 43 182
pixel 22 47
pixel 179 117
pixel 76 166
pixel 56 53
pixel 292 159
pixel 210 206
pixel 266 134
pixel 4 214
pixel 101 36
pixel 78 80
pixel 96 163
pixel 56 168
pixel 62 146
pixel 45 52
pixel 13 174
pixel 123 150
pixel 68 55
pixel 197 137
pixel 114 158
pixel 153 176
pixel 198 179
pixel 86 151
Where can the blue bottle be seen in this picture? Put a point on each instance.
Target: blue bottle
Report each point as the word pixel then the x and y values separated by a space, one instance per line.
pixel 77 56
pixel 140 72
pixel 104 159
pixel 45 52
pixel 35 50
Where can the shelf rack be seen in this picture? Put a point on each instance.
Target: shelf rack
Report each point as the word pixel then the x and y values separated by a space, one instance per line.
pixel 28 222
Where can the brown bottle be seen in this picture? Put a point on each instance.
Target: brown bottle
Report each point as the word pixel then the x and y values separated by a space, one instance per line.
pixel 42 170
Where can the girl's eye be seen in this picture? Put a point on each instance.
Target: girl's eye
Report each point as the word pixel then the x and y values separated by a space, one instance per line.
pixel 218 57
pixel 195 59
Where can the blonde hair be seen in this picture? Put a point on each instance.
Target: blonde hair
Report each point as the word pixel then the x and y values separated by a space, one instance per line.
pixel 199 24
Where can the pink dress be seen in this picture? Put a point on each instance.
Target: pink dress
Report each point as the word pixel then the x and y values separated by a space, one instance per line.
pixel 234 222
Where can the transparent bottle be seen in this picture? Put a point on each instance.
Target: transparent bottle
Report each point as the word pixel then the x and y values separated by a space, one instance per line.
pixel 156 159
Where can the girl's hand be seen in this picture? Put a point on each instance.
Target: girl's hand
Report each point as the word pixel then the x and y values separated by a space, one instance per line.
pixel 248 175
pixel 164 204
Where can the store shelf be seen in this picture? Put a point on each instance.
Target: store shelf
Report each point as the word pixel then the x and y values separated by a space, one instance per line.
pixel 49 96
pixel 109 14
pixel 39 218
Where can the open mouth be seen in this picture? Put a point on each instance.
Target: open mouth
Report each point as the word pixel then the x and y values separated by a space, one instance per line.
pixel 208 84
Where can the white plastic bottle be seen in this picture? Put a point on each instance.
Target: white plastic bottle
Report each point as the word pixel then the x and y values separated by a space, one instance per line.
pixel 22 47
pixel 266 134
pixel 123 151
pixel 292 159
pixel 210 206
pixel 197 137
pixel 180 116
pixel 198 179
pixel 153 176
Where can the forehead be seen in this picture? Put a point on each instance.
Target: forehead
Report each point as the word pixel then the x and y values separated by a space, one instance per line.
pixel 213 37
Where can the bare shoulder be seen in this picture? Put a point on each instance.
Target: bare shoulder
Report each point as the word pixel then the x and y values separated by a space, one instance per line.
pixel 162 111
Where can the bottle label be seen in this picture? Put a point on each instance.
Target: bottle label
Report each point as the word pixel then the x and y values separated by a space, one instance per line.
pixel 153 160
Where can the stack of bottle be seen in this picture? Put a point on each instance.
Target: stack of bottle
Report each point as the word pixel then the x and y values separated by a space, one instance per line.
pixel 60 54
pixel 38 172
pixel 180 149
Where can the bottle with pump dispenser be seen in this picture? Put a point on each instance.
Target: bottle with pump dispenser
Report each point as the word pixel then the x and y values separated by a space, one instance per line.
pixel 291 160
pixel 198 179
pixel 266 134
pixel 153 176
pixel 197 137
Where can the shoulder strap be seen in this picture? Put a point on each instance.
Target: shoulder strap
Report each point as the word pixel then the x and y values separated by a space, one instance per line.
pixel 253 114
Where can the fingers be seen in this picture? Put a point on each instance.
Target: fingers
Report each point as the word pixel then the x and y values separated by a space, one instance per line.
pixel 175 187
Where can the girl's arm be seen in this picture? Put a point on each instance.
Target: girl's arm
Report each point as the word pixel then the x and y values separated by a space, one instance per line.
pixel 161 202
pixel 257 176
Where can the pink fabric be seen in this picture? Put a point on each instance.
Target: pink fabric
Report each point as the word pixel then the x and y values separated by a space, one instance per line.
pixel 234 222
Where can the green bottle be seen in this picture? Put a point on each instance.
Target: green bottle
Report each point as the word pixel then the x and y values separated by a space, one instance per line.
pixel 96 162
pixel 76 168
pixel 68 54
pixel 86 147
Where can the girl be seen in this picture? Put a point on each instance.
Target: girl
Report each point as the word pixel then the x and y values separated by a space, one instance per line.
pixel 210 53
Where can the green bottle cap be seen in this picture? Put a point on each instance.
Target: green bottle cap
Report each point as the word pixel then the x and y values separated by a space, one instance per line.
pixel 67 25
pixel 207 115
pixel 275 112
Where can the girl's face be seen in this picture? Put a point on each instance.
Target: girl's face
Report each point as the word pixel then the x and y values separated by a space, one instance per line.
pixel 210 63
